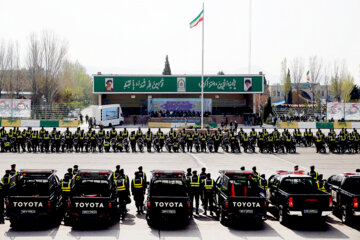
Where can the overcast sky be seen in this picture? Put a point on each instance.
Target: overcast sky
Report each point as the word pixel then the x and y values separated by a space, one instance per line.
pixel 134 36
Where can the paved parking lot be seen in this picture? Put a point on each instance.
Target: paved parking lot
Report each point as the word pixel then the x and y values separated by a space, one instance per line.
pixel 135 226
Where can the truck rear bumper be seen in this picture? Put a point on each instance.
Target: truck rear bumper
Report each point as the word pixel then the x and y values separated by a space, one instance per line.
pixel 356 214
pixel 300 213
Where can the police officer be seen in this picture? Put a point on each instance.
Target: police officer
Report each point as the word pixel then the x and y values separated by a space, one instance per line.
pixel 242 168
pixel 264 183
pixel 2 197
pixel 13 170
pixel 321 183
pixel 123 194
pixel 66 184
pixel 202 176
pixel 76 170
pixel 188 174
pixel 256 176
pixel 148 139
pixel 313 173
pixel 125 133
pixel 69 174
pixel 138 191
pixel 133 141
pixel 208 188
pixel 142 174
pixel 161 137
pixel 217 141
pixel 139 133
pixel 195 190
pixel 189 141
pixel 117 172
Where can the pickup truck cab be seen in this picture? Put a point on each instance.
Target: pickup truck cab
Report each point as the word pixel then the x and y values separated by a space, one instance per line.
pixel 168 200
pixel 345 191
pixel 92 198
pixel 296 194
pixel 34 195
pixel 238 196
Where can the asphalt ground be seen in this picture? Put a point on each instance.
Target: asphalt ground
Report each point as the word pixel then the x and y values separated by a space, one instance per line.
pixel 202 227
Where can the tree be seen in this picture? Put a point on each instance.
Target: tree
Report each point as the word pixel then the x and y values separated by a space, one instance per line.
pixel 315 68
pixel 73 77
pixel 355 94
pixel 34 60
pixel 297 72
pixel 347 87
pixel 167 70
pixel 267 109
pixel 54 51
pixel 288 94
pixel 337 79
pixel 285 79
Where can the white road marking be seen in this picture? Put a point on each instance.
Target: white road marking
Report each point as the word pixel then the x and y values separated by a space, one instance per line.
pixel 286 161
pixel 198 160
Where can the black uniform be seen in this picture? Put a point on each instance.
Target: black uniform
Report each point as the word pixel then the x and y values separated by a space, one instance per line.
pixel 138 191
pixel 208 188
pixel 194 183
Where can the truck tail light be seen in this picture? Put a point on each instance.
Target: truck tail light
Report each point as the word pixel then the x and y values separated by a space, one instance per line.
pixel 148 205
pixel 290 202
pixel 265 204
pixel 7 203
pixel 188 204
pixel 226 204
pixel 109 204
pixel 356 202
pixel 49 203
pixel 330 202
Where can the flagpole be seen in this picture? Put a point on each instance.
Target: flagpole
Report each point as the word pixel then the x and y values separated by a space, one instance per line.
pixel 202 72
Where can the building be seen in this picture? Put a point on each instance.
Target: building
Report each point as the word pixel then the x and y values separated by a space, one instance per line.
pixel 306 95
pixel 142 94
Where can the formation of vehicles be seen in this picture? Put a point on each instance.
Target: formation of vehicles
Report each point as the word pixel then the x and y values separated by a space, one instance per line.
pixel 92 195
pixel 183 140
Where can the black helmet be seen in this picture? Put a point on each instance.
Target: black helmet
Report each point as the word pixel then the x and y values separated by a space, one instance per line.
pixel 69 170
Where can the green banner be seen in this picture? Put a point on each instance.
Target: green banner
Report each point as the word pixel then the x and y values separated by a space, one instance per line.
pixel 178 84
pixel 49 123
pixel 325 125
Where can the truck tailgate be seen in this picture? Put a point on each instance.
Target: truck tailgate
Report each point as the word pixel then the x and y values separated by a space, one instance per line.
pixel 28 206
pixel 247 205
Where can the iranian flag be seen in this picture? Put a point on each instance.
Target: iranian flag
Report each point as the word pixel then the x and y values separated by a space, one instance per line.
pixel 198 19
pixel 308 76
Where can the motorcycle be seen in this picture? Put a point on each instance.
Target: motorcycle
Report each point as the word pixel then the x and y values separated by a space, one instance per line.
pixel 140 144
pixel 156 144
pixel 100 145
pixel 182 144
pixel 168 144
pixel 225 143
pixel 197 144
pixel 126 144
pixel 113 144
pixel 106 146
pixel 175 145
pixel 210 144
pixel 76 144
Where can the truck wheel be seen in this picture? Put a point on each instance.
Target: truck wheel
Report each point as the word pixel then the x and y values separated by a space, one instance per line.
pixel 222 218
pixel 345 215
pixel 282 216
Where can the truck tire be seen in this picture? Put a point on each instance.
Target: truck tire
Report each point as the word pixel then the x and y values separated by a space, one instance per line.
pixel 222 218
pixel 345 215
pixel 283 217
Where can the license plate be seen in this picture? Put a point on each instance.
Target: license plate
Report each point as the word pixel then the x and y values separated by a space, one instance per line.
pixel 28 211
pixel 89 211
pixel 168 211
pixel 246 211
pixel 311 211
